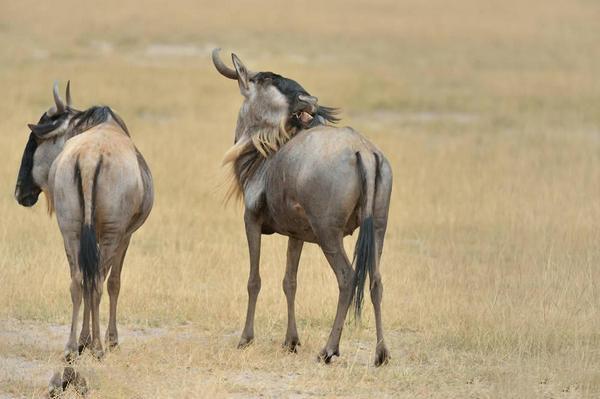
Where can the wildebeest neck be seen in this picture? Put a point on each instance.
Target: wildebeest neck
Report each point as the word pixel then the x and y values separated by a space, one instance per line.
pixel 95 116
pixel 259 135
pixel 245 162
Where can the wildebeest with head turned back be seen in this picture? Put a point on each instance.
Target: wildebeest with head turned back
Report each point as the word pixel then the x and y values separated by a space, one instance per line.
pixel 312 182
pixel 101 189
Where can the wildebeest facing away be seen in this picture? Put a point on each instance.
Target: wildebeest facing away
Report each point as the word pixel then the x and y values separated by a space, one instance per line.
pixel 101 189
pixel 312 182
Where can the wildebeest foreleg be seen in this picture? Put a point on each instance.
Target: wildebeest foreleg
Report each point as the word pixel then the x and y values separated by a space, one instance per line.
pixel 111 339
pixel 289 288
pixel 336 256
pixel 253 232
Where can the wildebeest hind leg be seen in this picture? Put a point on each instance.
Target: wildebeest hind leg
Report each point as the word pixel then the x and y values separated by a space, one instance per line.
pixel 382 355
pixel 84 337
pixel 111 339
pixel 96 295
pixel 381 209
pixel 289 288
pixel 107 254
pixel 336 256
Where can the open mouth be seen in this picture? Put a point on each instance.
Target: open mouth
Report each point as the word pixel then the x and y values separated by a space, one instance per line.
pixel 304 117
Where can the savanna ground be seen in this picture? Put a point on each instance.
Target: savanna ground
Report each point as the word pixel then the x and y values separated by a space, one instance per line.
pixel 489 115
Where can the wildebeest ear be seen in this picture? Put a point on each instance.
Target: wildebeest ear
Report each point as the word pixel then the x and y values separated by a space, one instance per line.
pixel 42 129
pixel 312 100
pixel 305 102
pixel 242 73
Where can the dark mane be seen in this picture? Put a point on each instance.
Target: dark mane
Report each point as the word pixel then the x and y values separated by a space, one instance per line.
pixel 329 114
pixel 323 116
pixel 85 120
pixel 246 165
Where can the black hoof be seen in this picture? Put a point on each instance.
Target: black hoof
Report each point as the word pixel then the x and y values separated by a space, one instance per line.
pixel 326 355
pixel 245 342
pixel 292 345
pixel 112 346
pixel 382 356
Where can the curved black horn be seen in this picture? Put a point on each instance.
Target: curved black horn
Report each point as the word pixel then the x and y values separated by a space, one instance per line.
pixel 69 103
pixel 60 105
pixel 221 67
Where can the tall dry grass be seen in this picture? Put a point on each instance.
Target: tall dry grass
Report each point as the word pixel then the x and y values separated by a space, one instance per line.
pixel 489 115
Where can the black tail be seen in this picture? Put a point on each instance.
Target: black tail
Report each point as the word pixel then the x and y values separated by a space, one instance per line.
pixel 364 252
pixel 89 255
pixel 364 257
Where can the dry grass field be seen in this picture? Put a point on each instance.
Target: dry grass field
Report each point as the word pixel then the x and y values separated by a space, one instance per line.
pixel 490 117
